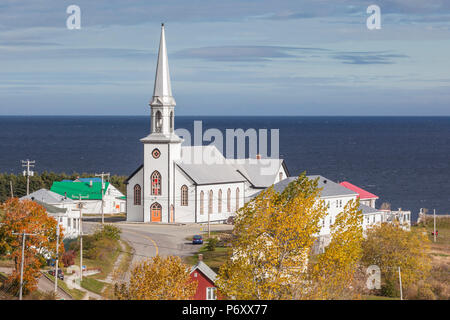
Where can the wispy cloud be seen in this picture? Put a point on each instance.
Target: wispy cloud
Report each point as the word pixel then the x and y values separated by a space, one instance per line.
pixel 364 58
pixel 243 53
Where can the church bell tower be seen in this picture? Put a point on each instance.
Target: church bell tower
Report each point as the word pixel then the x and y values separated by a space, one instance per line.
pixel 162 147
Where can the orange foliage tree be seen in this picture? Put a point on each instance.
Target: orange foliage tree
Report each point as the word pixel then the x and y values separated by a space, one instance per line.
pixel 29 217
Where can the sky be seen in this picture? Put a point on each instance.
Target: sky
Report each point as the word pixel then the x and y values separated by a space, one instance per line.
pixel 233 57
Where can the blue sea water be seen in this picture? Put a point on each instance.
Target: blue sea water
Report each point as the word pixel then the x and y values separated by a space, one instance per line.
pixel 403 160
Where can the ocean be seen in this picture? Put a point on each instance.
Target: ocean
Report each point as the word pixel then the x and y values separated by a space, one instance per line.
pixel 403 160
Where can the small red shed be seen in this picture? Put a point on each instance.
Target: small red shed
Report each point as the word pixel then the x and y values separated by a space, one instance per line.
pixel 205 276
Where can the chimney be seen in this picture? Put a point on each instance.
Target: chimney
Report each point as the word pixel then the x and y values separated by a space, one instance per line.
pixel 200 257
pixel 258 157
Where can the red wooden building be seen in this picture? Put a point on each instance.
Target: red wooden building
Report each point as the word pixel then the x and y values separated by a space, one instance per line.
pixel 206 290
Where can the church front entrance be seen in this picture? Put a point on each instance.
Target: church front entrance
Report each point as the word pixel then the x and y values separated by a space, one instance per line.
pixel 156 212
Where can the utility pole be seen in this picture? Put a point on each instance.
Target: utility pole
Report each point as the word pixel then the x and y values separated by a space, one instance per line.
pixel 103 175
pixel 57 254
pixel 23 258
pixel 11 187
pixel 434 224
pixel 28 164
pixel 209 230
pixel 400 280
pixel 80 207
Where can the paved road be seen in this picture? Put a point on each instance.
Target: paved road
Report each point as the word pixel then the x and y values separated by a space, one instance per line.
pixel 149 240
pixel 47 285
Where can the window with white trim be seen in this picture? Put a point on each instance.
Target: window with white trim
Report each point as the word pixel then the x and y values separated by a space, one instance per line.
pixel 211 293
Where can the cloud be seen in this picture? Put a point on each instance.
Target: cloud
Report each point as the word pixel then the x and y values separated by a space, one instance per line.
pixel 243 53
pixel 26 43
pixel 77 53
pixel 364 58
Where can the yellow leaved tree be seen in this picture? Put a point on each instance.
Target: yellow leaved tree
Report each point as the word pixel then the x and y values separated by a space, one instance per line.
pixel 272 250
pixel 158 279
pixel 333 274
pixel 390 246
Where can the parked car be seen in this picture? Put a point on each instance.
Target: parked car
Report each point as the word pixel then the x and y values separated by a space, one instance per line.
pixel 60 274
pixel 197 239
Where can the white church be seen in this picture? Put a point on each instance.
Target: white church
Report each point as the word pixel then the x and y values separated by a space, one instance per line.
pixel 170 187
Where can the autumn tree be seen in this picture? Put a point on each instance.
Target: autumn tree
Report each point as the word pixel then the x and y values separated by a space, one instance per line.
pixel 29 217
pixel 158 279
pixel 389 246
pixel 274 236
pixel 333 275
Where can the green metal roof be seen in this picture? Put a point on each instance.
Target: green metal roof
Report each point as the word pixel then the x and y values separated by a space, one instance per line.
pixel 75 189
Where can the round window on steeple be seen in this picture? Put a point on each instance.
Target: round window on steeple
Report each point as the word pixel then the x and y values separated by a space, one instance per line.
pixel 156 153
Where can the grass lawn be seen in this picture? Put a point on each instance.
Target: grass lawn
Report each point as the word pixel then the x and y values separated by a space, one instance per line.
pixel 106 264
pixel 214 259
pixel 92 285
pixel 127 257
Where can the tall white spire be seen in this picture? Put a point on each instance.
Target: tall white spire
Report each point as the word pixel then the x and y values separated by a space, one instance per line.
pixel 162 92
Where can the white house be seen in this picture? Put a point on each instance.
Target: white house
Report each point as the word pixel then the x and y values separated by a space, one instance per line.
pixel 336 196
pixel 59 207
pixel 179 183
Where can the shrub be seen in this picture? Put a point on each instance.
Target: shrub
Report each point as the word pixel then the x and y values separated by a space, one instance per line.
pixel 425 293
pixel 108 231
pixel 68 258
pixel 212 243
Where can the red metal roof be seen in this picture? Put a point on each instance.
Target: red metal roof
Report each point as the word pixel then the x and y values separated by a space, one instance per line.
pixel 363 194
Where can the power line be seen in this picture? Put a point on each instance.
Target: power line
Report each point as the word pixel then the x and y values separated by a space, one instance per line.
pixel 103 203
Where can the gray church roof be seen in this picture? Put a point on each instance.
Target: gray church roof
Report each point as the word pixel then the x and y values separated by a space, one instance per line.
pixel 255 174
pixel 211 173
pixel 330 188
pixel 47 196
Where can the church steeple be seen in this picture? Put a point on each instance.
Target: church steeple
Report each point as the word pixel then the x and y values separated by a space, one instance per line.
pixel 162 91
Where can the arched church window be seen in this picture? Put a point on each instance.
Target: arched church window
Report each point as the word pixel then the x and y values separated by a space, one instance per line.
pixel 281 176
pixel 184 195
pixel 202 202
pixel 158 121
pixel 237 199
pixel 156 183
pixel 210 202
pixel 219 202
pixel 229 200
pixel 171 121
pixel 137 195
